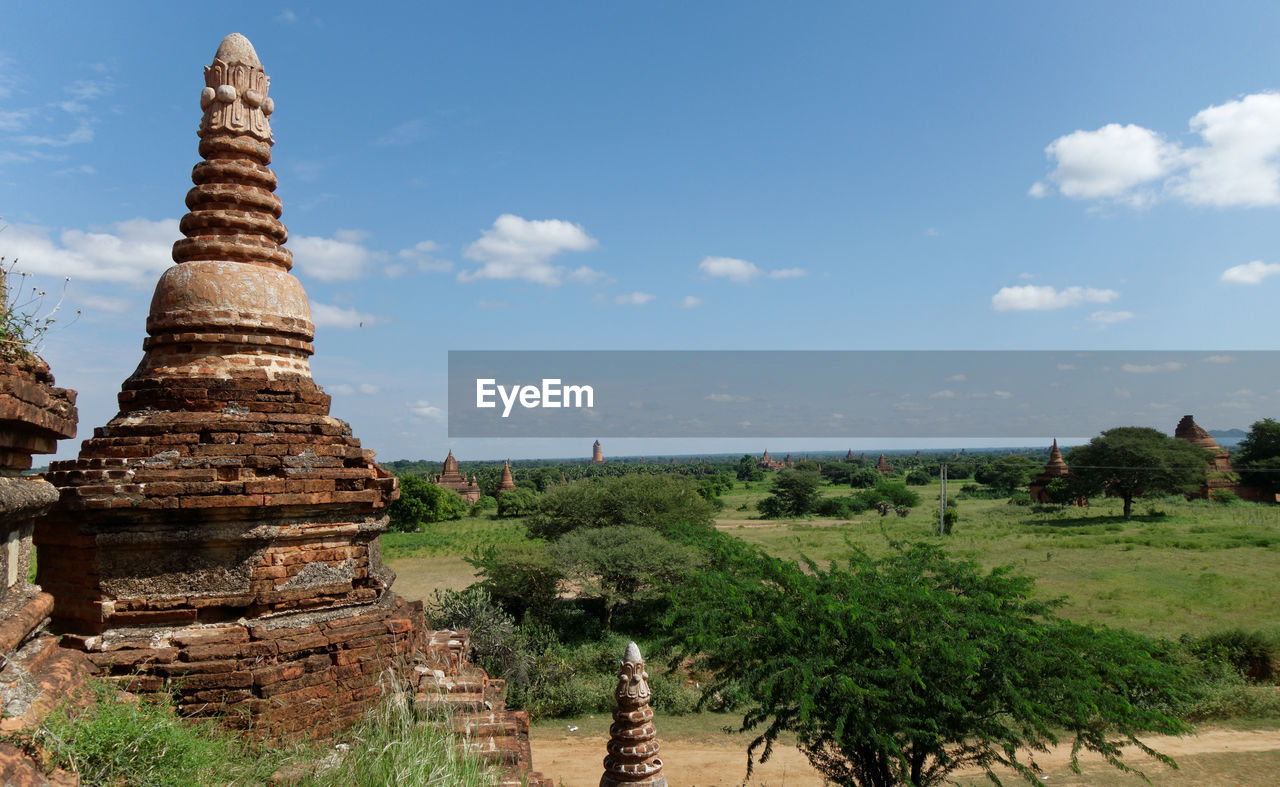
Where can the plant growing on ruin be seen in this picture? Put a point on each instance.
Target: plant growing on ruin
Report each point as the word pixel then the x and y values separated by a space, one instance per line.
pixel 23 318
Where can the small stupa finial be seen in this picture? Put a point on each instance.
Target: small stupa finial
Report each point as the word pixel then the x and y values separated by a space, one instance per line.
pixel 633 740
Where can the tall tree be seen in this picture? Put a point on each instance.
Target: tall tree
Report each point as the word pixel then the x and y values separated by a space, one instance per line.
pixel 1259 456
pixel 902 669
pixel 1130 461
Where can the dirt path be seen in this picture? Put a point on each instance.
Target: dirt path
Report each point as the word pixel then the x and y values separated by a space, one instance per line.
pixel 574 760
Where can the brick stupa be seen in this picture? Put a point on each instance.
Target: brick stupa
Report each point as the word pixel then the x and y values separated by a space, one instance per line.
pixel 452 478
pixel 597 454
pixel 1056 467
pixel 633 759
pixel 218 538
pixel 506 483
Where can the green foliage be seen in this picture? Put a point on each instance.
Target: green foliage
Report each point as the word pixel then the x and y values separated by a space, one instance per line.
pixel 863 477
pixel 919 477
pixel 1007 474
pixel 497 644
pixel 1258 458
pixel 394 744
pixel 840 507
pixel 748 469
pixel 521 577
pixel 641 500
pixel 485 503
pixel 1130 461
pixel 903 669
pixel 622 565
pixel 517 502
pixel 422 502
pixel 1250 654
pixel 22 326
pixel 795 493
pixel 887 491
pixel 132 740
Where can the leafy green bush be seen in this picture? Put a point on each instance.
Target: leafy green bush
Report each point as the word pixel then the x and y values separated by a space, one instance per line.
pixel 521 577
pixel 422 502
pixel 1250 654
pixel 653 501
pixel 517 502
pixel 895 493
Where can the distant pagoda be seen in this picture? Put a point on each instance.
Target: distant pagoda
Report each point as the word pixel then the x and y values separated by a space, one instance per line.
pixel 1054 468
pixel 452 479
pixel 883 467
pixel 506 483
pixel 597 454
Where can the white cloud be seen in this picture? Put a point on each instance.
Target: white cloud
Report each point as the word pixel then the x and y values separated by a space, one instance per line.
pixel 341 389
pixel 636 298
pixel 104 303
pixel 405 133
pixel 1104 318
pixel 516 248
pixel 725 397
pixel 691 302
pixel 1030 297
pixel 326 316
pixel 340 258
pixel 1152 368
pixel 742 271
pixel 1003 395
pixel 369 389
pixel 1218 359
pixel 1066 367
pixel 945 394
pixel 423 255
pixel 956 378
pixel 127 251
pixel 1250 272
pixel 1237 162
pixel 729 268
pixel 1108 162
pixel 585 275
pixel 424 409
pixel 287 16
pixel 788 273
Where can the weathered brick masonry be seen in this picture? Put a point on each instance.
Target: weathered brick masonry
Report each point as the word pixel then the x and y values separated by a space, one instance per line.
pixel 218 538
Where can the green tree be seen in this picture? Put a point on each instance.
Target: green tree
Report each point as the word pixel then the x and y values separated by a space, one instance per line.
pixel 1007 474
pixel 795 493
pixel 422 503
pixel 919 477
pixel 902 669
pixel 1130 461
pixel 641 500
pixel 622 565
pixel 517 502
pixel 863 477
pixel 748 469
pixel 522 577
pixel 1258 458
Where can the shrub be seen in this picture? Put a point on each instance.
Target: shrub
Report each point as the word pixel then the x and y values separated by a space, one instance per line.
pixel 521 577
pixel 653 501
pixel 422 502
pixel 517 502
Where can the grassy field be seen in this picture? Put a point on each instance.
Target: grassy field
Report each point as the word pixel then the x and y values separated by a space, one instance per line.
pixel 1176 567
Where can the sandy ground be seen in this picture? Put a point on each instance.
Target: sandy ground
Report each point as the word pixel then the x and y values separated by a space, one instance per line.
pixel 574 760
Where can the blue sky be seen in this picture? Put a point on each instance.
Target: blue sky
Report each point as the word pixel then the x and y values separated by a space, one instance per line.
pixel 665 176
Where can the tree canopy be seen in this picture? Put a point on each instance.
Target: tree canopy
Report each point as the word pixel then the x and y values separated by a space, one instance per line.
pixel 1259 456
pixel 902 669
pixel 641 500
pixel 422 502
pixel 1130 461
